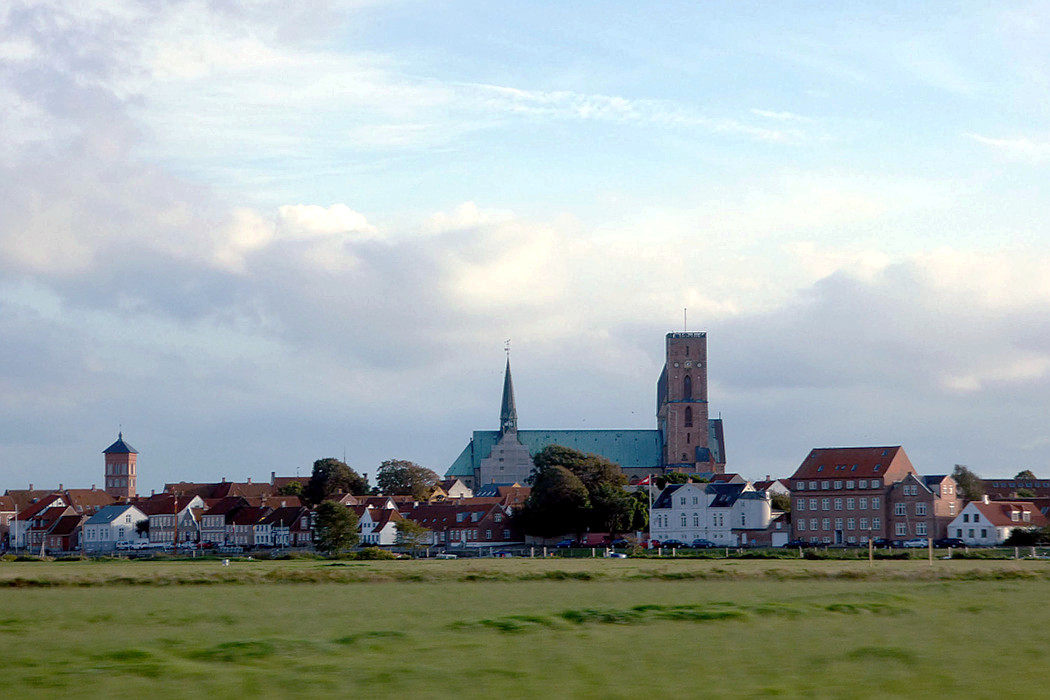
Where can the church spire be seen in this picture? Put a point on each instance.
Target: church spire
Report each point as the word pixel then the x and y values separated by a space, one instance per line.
pixel 508 413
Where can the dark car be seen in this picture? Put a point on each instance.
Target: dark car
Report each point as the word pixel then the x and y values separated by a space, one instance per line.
pixel 620 543
pixel 673 544
pixel 945 542
pixel 700 543
pixel 566 544
pixel 883 542
pixel 796 543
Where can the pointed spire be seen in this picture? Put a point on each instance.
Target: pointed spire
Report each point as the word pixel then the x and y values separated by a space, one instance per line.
pixel 508 413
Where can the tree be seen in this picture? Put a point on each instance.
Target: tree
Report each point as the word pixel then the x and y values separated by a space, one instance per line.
pixel 558 503
pixel 639 510
pixel 1026 474
pixel 142 528
pixel 593 470
pixel 1025 493
pixel 612 509
pixel 330 476
pixel 335 527
pixel 410 534
pixel 780 501
pixel 970 485
pixel 403 478
pixel 671 478
pixel 293 488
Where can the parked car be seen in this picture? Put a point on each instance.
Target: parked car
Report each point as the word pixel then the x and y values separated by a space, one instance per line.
pixel 673 544
pixel 616 555
pixel 445 555
pixel 620 543
pixel 914 542
pixel 566 544
pixel 503 554
pixel 701 543
pixel 946 542
pixel 883 542
pixel 796 543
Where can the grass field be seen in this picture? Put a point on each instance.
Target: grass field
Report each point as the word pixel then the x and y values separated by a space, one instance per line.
pixel 525 628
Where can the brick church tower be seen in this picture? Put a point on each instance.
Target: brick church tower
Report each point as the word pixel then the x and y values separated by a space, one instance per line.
pixel 120 468
pixel 682 413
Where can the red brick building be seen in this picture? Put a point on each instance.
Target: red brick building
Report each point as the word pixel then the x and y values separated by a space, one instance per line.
pixel 839 495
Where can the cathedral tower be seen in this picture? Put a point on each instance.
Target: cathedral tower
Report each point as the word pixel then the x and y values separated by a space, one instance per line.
pixel 682 413
pixel 120 468
pixel 510 461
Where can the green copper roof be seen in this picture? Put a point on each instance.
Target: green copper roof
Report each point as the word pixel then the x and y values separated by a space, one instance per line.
pixel 628 448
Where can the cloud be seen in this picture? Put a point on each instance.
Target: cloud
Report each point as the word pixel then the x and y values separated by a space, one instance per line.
pixel 1017 148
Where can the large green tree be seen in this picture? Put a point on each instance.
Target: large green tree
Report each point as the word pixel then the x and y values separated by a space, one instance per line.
pixel 557 504
pixel 593 470
pixel 612 510
pixel 970 485
pixel 335 527
pixel 329 477
pixel 1026 474
pixel 403 478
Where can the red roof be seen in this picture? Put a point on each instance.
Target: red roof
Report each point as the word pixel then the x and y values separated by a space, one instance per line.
pixel 1001 513
pixel 43 504
pixel 887 463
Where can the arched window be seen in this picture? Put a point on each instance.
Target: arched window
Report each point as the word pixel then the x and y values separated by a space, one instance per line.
pixel 689 416
pixel 688 438
pixel 687 387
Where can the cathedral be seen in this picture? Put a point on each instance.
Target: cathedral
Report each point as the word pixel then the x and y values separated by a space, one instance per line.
pixel 686 438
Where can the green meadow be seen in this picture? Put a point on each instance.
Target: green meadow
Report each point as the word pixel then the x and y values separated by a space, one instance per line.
pixel 525 628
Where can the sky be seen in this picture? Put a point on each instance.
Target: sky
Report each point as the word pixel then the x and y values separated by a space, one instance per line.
pixel 255 234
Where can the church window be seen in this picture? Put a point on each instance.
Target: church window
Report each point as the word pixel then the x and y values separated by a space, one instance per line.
pixel 684 457
pixel 687 387
pixel 688 438
pixel 689 416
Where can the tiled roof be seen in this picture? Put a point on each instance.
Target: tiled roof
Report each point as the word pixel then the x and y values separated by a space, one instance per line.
pixel 88 500
pixel 250 515
pixel 999 513
pixel 40 506
pixel 120 447
pixel 855 462
pixel 110 513
pixel 7 504
pixel 66 525
pixel 284 517
pixel 24 498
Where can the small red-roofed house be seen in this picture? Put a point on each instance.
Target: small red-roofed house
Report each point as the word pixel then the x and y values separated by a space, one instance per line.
pixel 990 523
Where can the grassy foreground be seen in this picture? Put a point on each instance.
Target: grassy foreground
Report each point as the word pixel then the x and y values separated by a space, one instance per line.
pixel 521 628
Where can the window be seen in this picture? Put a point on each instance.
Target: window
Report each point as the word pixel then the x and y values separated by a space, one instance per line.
pixel 876 523
pixel 695 500
pixel 488 534
pixel 683 519
pixel 800 504
pixel 838 504
pixel 875 483
pixel 970 530
pixel 743 519
pixel 838 523
pixel 863 483
pixel 812 486
pixel 851 503
pixel 875 503
pixel 900 508
pixel 966 517
pixel 696 520
pixel 689 416
pixel 825 485
pixel 838 485
pixel 951 509
pixel 984 533
pixel 825 504
pixel 849 484
pixel 863 523
pixel 813 524
pixel 506 534
pixel 920 509
pixel 802 524
pixel 920 529
pixel 825 523
pixel 958 532
pixel 682 500
pixel 687 387
pixel 812 504
pixel 851 523
pixel 901 529
pixel 977 517
pixel 1026 516
pixel 863 502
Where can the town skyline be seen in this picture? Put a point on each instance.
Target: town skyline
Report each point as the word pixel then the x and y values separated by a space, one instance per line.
pixel 251 236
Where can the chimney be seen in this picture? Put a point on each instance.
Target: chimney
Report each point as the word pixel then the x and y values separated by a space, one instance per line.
pixel 60 487
pixel 30 487
pixel 92 487
pixel 224 479
pixel 249 481
pixel 984 498
pixel 767 478
pixel 273 478
pixel 153 492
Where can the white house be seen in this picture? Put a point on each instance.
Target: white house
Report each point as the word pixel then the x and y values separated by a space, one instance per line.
pixel 378 526
pixel 111 525
pixel 722 513
pixel 989 523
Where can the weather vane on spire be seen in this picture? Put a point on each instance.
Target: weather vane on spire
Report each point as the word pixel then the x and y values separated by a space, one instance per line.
pixel 506 347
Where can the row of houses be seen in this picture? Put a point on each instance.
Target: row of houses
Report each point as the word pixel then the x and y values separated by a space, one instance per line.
pixel 51 523
pixel 846 496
